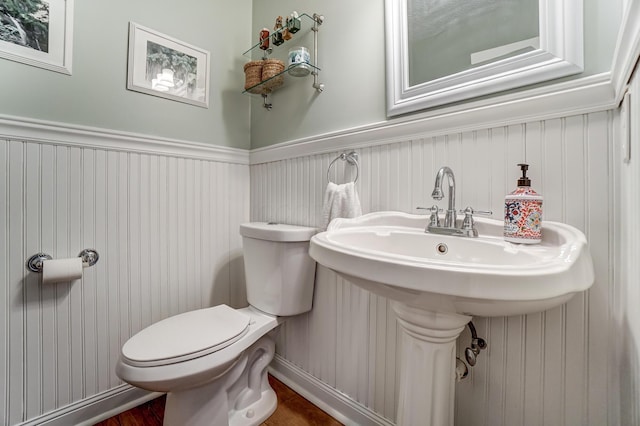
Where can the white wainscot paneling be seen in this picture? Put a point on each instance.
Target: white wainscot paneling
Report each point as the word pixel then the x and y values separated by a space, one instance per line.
pixel 166 229
pixel 548 368
pixel 626 378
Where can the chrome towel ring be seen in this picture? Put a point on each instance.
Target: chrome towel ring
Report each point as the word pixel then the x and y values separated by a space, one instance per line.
pixel 351 158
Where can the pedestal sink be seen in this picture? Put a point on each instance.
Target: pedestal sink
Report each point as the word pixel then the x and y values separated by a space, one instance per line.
pixel 438 282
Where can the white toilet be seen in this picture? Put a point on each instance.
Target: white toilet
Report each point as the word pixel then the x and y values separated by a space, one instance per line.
pixel 213 362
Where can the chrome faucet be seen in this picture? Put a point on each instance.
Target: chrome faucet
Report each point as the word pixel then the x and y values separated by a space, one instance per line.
pixel 449 227
pixel 450 216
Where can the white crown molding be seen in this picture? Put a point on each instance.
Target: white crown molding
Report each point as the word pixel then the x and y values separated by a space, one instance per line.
pixel 581 96
pixel 627 51
pixel 20 128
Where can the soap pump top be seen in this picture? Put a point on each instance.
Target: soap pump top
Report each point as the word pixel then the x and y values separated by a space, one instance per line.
pixel 524 180
pixel 523 212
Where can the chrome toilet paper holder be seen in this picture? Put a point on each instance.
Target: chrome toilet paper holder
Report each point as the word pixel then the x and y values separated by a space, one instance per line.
pixel 89 258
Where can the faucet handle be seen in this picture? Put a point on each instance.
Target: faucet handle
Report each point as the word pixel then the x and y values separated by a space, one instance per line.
pixel 471 210
pixel 434 220
pixel 467 223
pixel 432 209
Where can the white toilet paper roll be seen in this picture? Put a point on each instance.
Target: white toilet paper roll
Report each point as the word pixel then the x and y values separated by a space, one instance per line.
pixel 59 270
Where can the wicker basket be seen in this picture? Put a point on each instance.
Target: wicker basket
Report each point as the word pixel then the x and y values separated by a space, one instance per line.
pixel 253 76
pixel 271 68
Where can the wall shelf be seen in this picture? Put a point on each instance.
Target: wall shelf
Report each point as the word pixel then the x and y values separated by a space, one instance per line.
pixel 266 87
pixel 264 83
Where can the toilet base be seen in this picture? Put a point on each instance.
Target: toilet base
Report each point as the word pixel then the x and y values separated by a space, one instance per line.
pixel 257 412
pixel 241 397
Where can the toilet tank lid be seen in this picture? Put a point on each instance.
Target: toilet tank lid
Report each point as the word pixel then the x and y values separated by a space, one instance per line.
pixel 277 231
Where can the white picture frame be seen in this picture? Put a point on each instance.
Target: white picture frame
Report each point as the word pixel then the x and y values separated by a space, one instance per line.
pixel 163 66
pixel 49 45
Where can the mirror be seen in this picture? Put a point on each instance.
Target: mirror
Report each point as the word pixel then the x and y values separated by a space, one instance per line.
pixel 443 51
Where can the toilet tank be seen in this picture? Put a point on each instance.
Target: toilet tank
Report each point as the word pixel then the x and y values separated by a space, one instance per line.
pixel 280 274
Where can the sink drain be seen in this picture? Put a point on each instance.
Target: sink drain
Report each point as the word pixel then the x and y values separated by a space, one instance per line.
pixel 442 248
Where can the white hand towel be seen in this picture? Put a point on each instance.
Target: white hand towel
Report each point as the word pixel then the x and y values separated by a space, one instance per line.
pixel 340 201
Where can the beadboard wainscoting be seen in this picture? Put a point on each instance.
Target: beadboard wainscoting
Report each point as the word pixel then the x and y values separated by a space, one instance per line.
pixel 166 228
pixel 553 368
pixel 626 312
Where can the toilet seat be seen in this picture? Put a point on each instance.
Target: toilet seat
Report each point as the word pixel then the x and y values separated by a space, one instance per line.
pixel 186 336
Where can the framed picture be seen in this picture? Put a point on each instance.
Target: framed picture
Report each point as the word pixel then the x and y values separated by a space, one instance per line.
pixel 38 33
pixel 160 65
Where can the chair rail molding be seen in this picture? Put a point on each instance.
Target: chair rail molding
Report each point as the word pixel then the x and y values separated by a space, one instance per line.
pixel 574 97
pixel 55 133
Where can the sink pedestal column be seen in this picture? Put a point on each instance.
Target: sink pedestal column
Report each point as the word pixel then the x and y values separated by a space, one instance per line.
pixel 427 365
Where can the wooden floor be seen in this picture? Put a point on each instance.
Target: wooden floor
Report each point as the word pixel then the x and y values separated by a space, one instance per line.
pixel 293 410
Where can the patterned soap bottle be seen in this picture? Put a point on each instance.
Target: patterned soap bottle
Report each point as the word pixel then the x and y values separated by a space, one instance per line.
pixel 523 212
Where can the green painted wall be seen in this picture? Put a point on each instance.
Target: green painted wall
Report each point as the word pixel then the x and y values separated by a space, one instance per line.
pixel 353 67
pixel 351 56
pixel 96 95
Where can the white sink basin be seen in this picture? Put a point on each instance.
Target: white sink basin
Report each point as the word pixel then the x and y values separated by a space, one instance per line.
pixel 388 253
pixel 437 283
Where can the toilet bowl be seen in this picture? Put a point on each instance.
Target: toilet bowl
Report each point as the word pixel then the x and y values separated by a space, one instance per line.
pixel 212 362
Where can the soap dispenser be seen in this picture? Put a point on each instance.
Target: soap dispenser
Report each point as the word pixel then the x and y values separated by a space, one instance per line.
pixel 523 212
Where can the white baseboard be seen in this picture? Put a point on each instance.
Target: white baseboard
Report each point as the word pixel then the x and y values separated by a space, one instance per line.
pixel 104 405
pixel 333 402
pixel 96 408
